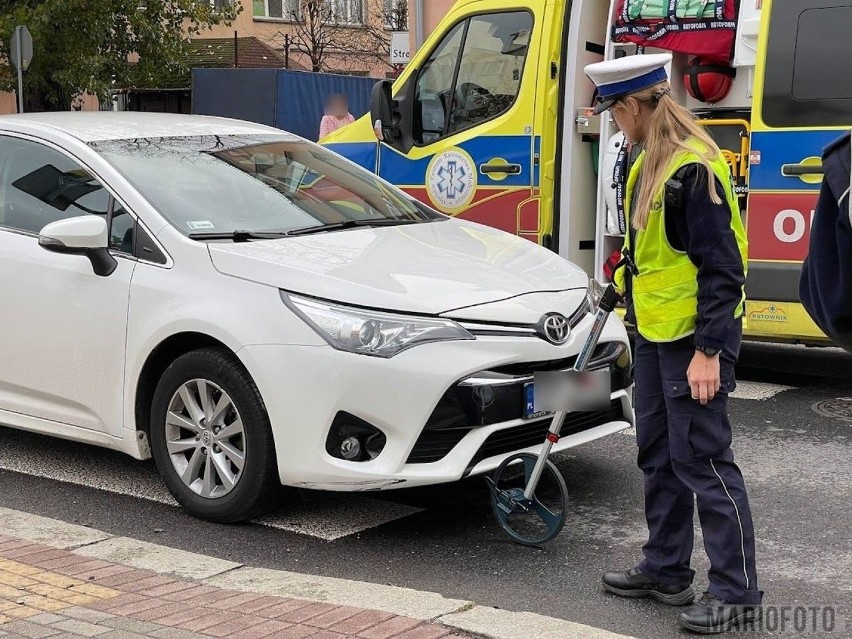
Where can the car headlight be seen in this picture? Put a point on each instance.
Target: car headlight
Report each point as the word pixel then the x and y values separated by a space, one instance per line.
pixel 373 333
pixel 590 304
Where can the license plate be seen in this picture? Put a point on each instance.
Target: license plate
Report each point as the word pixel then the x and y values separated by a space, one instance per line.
pixel 567 391
pixel 529 402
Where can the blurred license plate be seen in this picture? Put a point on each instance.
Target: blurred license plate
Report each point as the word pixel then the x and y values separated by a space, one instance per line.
pixel 553 391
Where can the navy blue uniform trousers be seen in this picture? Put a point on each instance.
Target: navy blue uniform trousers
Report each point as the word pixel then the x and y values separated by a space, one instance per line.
pixel 685 450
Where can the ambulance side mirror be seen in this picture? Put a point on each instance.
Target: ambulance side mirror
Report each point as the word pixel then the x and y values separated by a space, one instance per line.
pixel 391 115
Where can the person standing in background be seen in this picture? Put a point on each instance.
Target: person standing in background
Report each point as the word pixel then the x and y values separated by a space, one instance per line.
pixel 825 287
pixel 336 115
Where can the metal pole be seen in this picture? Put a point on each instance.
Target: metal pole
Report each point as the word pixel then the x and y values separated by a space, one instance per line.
pixel 419 27
pixel 286 50
pixel 20 63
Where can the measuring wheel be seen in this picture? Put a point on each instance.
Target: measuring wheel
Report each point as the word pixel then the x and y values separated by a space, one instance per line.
pixel 529 521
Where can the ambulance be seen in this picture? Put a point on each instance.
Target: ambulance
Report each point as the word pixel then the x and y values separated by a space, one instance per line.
pixel 491 122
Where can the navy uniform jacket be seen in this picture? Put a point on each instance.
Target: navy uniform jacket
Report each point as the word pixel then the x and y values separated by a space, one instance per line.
pixel 703 229
pixel 825 287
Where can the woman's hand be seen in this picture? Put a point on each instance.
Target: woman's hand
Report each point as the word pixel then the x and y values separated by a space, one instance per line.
pixel 704 377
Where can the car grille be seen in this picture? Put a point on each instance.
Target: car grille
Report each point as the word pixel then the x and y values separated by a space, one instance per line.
pixel 434 445
pixel 520 437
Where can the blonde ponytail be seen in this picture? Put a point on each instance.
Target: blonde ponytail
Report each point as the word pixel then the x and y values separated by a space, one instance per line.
pixel 666 134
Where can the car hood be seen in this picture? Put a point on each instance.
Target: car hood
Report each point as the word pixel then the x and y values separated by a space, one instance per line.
pixel 429 268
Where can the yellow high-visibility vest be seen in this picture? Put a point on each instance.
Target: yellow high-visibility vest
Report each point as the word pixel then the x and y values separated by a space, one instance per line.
pixel 665 292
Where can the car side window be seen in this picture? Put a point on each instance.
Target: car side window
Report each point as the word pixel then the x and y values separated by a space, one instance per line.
pixel 39 185
pixel 122 228
pixel 473 75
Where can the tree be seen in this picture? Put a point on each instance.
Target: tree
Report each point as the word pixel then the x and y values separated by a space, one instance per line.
pixel 316 33
pixel 327 40
pixel 391 16
pixel 83 46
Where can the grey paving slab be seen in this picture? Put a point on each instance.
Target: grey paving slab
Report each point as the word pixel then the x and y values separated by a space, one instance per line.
pixel 131 625
pixel 28 629
pixel 82 628
pixel 84 614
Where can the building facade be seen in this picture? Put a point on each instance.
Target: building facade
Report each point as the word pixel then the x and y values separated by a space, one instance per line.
pixel 336 36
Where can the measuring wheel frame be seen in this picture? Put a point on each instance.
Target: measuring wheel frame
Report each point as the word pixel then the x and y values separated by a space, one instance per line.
pixel 505 503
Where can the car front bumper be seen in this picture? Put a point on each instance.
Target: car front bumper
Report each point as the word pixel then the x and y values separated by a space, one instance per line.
pixel 431 435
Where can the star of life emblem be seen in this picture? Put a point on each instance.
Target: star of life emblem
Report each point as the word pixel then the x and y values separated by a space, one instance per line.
pixel 451 180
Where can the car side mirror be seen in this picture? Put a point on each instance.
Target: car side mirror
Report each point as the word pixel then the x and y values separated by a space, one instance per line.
pixel 84 235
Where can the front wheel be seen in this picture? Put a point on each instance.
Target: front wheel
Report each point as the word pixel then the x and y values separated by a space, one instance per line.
pixel 211 438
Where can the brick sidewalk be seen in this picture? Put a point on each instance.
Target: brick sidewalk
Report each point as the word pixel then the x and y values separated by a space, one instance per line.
pixel 46 592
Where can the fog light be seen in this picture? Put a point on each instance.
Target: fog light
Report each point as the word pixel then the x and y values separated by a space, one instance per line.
pixel 352 439
pixel 350 448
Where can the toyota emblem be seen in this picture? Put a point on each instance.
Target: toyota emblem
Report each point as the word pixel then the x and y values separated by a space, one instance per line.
pixel 555 328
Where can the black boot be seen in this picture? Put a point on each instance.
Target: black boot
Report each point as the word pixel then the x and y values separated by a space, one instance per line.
pixel 711 615
pixel 634 583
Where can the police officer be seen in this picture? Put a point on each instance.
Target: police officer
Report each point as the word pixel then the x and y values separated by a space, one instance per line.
pixel 825 287
pixel 686 258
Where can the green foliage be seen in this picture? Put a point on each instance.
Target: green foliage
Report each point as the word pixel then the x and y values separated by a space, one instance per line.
pixel 84 45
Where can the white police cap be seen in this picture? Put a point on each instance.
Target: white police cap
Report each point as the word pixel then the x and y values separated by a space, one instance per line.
pixel 623 76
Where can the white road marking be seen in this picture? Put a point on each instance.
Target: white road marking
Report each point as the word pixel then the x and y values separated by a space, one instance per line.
pixel 329 517
pixel 758 390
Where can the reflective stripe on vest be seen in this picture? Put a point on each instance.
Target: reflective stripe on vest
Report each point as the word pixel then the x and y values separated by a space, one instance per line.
pixel 665 292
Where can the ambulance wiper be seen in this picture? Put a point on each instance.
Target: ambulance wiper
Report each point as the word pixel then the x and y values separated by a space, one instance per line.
pixel 349 224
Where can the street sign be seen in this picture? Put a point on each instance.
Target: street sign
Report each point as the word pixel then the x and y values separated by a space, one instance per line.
pixel 400 49
pixel 22 45
pixel 21 52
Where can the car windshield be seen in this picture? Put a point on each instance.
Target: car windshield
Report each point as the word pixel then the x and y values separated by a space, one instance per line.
pixel 209 185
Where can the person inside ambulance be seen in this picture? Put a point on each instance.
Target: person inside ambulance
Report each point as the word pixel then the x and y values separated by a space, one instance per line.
pixel 685 255
pixel 825 287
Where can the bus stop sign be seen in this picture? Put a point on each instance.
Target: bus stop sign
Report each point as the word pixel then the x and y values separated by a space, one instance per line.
pixel 21 49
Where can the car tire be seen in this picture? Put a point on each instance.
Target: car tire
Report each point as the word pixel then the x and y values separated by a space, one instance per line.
pixel 225 470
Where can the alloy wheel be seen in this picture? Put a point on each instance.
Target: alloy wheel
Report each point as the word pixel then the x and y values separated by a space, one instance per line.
pixel 205 438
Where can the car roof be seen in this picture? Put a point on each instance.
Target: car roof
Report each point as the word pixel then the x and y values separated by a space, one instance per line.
pixel 93 126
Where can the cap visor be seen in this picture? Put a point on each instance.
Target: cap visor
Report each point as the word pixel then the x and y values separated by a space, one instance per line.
pixel 602 106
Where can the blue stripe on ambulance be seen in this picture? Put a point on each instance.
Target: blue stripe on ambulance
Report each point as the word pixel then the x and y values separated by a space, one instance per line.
pixel 361 153
pixel 399 169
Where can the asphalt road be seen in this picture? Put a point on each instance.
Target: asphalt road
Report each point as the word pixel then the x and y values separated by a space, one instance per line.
pixel 797 463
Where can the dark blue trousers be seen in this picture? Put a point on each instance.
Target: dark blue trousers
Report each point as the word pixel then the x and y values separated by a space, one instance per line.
pixel 685 451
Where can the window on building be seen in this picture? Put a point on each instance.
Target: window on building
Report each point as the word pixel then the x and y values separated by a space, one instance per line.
pixel 395 15
pixel 346 12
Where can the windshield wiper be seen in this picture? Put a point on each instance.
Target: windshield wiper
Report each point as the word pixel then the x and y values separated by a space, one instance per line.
pixel 239 236
pixel 349 224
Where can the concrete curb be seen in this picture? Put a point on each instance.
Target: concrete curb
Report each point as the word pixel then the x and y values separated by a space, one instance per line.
pixel 459 615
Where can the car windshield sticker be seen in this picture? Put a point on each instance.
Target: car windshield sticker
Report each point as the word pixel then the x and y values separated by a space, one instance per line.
pixel 200 225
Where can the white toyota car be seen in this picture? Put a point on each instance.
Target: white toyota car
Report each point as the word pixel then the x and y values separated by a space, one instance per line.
pixel 252 310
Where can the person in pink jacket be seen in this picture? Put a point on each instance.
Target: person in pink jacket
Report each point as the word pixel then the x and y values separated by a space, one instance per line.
pixel 336 115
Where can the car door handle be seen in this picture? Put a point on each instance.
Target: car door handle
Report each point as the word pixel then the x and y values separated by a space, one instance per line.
pixel 511 169
pixel 797 170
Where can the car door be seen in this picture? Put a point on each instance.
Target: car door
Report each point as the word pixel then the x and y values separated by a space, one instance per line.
pixel 802 102
pixel 62 329
pixel 471 150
